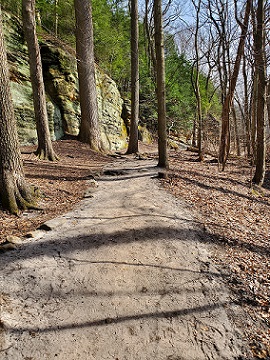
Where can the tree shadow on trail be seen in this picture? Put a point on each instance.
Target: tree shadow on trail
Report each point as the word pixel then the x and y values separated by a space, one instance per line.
pixel 121 319
pixel 64 245
pixel 220 189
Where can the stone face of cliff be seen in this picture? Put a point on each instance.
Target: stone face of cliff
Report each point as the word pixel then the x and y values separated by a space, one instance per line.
pixel 61 84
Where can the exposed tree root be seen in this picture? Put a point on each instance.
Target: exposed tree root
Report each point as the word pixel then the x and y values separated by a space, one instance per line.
pixel 44 154
pixel 18 195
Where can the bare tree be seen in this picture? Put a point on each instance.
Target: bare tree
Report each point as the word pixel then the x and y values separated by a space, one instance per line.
pixel 226 106
pixel 45 150
pixel 236 132
pixel 160 75
pixel 268 100
pixel 56 17
pixel 134 40
pixel 260 68
pixel 89 128
pixel 195 81
pixel 15 193
pixel 246 106
pixel 150 45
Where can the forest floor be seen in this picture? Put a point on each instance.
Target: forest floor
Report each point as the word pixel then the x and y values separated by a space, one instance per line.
pixel 231 218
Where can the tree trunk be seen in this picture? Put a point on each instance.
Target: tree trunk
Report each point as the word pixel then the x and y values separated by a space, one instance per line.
pixel 246 108
pixel 260 64
pixel 194 133
pixel 253 125
pixel 56 17
pixel 268 101
pixel 196 83
pixel 161 96
pixel 236 133
pixel 226 108
pixel 134 40
pixel 45 149
pixel 150 42
pixel 89 128
pixel 15 193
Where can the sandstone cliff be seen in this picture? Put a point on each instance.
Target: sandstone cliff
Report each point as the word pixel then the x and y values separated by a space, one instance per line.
pixel 60 77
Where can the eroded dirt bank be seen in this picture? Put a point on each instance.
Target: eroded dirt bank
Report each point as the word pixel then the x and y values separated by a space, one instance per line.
pixel 123 276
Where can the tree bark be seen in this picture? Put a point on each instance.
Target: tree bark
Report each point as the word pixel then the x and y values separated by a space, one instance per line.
pixel 15 193
pixel 196 83
pixel 236 133
pixel 89 129
pixel 260 64
pixel 161 96
pixel 56 17
pixel 45 150
pixel 134 40
pixel 152 64
pixel 246 108
pixel 268 100
pixel 226 108
pixel 253 125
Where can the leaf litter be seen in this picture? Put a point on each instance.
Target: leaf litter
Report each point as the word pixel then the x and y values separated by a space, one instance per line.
pixel 235 219
pixel 233 216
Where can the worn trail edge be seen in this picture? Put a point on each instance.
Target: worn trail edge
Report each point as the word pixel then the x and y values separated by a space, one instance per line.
pixel 123 276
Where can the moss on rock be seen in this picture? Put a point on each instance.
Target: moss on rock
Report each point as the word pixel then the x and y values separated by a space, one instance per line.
pixel 61 85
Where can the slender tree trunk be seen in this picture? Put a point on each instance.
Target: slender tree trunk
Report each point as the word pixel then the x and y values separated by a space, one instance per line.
pixel 56 17
pixel 196 83
pixel 268 100
pixel 260 63
pixel 253 125
pixel 246 108
pixel 45 149
pixel 89 129
pixel 161 96
pixel 236 132
pixel 15 193
pixel 226 108
pixel 134 40
pixel 194 133
pixel 150 42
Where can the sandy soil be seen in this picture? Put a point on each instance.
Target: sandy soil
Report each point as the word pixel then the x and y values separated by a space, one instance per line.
pixel 122 276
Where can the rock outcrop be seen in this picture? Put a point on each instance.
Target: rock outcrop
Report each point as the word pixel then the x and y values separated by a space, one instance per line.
pixel 61 84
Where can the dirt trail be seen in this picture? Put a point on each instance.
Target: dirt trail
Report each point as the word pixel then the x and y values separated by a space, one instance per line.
pixel 123 276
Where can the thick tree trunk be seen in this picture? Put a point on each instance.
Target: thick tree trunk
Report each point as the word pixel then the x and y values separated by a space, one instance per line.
pixel 161 96
pixel 226 108
pixel 134 40
pixel 45 150
pixel 89 129
pixel 15 193
pixel 260 65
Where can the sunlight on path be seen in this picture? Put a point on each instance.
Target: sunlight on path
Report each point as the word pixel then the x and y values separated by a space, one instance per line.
pixel 123 276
